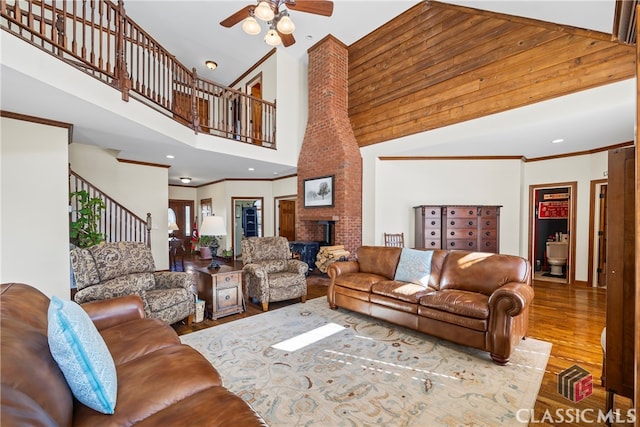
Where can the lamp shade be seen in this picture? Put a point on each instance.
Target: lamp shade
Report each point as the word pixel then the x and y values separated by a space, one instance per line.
pixel 264 11
pixel 173 227
pixel 285 24
pixel 213 226
pixel 272 38
pixel 251 26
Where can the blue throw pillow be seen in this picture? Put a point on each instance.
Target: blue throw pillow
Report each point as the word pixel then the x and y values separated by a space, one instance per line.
pixel 414 266
pixel 82 355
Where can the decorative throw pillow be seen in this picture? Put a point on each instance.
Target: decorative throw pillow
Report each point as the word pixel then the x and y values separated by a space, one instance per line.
pixel 82 355
pixel 414 266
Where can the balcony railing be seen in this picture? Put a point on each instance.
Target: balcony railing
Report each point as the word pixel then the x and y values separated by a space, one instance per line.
pixel 99 38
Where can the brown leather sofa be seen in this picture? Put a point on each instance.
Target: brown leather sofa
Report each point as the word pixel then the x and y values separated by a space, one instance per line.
pixel 477 299
pixel 161 382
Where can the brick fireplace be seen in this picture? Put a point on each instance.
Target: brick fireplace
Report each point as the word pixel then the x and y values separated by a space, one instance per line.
pixel 330 148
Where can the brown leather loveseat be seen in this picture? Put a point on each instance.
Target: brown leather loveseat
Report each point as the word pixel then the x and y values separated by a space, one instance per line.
pixel 160 382
pixel 477 299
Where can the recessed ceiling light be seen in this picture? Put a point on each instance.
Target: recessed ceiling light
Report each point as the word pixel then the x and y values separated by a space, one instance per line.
pixel 185 179
pixel 170 156
pixel 557 141
pixel 309 37
pixel 251 169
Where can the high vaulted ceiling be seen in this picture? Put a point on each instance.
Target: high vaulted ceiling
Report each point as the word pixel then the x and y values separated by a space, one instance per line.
pixel 190 29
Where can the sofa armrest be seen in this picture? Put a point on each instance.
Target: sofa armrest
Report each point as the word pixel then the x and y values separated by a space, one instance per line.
pixel 341 267
pixel 508 319
pixel 173 279
pixel 109 290
pixel 110 312
pixel 297 266
pixel 512 298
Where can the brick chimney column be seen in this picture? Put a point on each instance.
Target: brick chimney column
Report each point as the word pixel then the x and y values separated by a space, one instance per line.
pixel 330 148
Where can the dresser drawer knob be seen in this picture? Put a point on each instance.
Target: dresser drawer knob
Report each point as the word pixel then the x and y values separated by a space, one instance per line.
pixel 433 223
pixel 227 297
pixel 471 233
pixel 471 212
pixel 433 233
pixel 453 223
pixel 453 212
pixel 470 243
pixel 470 222
pixel 226 279
pixel 433 243
pixel 453 233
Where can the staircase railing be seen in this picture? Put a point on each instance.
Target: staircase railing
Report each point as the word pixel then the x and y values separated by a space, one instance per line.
pixel 98 37
pixel 117 223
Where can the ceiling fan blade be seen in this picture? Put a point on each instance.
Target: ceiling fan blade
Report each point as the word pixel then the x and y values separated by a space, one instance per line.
pixel 287 39
pixel 237 17
pixel 319 7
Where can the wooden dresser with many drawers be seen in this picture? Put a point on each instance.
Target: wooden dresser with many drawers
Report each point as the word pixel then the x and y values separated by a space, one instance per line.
pixel 463 227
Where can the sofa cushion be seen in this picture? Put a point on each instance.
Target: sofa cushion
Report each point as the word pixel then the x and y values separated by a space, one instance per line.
pixel 133 339
pixel 358 281
pixel 409 292
pixel 122 258
pixel 463 303
pixel 153 382
pixel 482 272
pixel 84 267
pixel 82 355
pixel 378 260
pixel 414 266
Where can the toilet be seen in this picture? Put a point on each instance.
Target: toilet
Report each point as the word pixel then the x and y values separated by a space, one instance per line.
pixel 557 253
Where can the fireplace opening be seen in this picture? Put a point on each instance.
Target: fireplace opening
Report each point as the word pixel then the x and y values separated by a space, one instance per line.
pixel 328 233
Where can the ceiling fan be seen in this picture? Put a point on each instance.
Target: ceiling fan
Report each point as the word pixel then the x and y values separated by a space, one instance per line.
pixel 276 15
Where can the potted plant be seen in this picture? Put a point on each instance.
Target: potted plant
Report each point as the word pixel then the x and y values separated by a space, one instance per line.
pixel 84 231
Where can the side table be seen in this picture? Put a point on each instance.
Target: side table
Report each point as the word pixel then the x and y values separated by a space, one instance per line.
pixel 221 290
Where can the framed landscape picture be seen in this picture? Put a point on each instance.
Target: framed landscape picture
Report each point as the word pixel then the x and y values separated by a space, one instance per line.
pixel 318 192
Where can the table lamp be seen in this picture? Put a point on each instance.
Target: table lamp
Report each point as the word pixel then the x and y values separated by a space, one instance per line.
pixel 213 226
pixel 173 227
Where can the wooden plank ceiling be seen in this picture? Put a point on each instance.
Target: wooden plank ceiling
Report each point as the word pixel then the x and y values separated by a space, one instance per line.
pixel 439 64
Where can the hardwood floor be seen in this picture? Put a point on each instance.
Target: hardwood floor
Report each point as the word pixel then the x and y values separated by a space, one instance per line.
pixel 570 317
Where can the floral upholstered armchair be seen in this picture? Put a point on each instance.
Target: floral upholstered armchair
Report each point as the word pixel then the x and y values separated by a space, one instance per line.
pixel 270 273
pixel 111 270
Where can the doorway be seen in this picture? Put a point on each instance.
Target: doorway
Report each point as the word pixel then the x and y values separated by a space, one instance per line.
pixel 182 212
pixel 248 220
pixel 285 216
pixel 551 224
pixel 254 88
pixel 598 234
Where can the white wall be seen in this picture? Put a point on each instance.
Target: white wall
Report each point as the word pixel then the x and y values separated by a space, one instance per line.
pixel 139 188
pixel 34 218
pixel 391 188
pixel 403 184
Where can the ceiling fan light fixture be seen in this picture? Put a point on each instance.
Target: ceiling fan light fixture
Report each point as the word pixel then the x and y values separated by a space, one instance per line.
pixel 251 26
pixel 264 11
pixel 285 24
pixel 272 38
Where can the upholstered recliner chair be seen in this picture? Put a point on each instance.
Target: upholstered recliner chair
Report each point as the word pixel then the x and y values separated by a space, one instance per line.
pixel 111 270
pixel 270 273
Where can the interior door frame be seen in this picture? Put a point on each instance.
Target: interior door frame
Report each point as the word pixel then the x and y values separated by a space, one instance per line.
pixel 235 199
pixel 593 227
pixel 276 211
pixel 573 196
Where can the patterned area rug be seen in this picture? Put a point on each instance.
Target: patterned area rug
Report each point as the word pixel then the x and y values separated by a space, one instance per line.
pixel 370 373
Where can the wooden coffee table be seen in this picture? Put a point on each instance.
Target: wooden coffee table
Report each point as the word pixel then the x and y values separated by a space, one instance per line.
pixel 221 290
